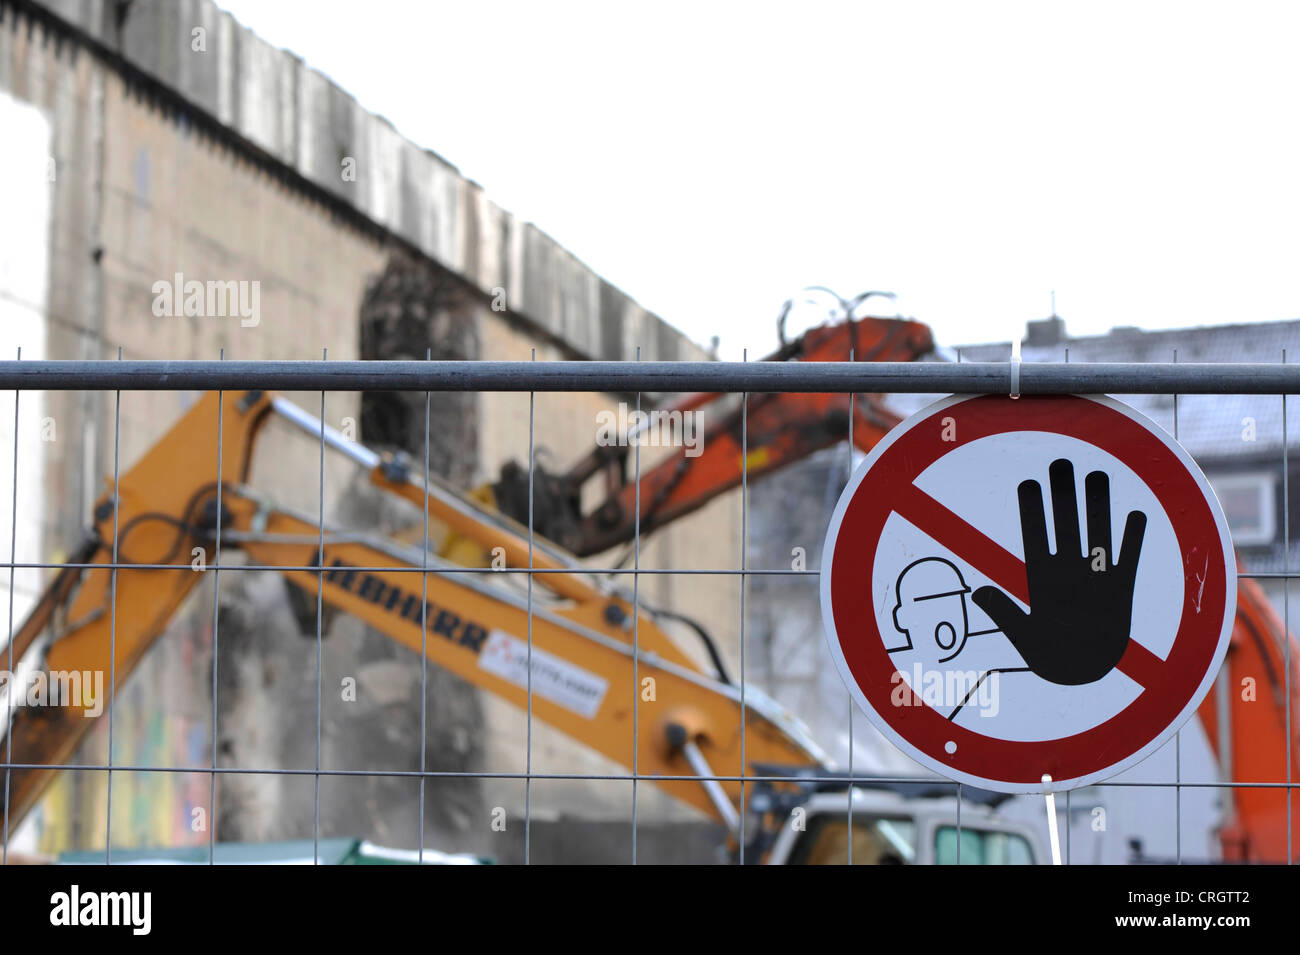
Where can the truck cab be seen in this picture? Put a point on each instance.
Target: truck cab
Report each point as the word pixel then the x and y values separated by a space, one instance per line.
pixel 894 826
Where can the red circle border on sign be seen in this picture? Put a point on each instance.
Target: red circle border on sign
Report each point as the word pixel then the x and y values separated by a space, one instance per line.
pixel 1020 765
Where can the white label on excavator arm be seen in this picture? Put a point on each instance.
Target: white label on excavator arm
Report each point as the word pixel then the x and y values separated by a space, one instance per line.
pixel 554 679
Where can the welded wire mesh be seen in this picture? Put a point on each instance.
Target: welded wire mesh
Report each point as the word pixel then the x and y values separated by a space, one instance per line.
pixel 638 378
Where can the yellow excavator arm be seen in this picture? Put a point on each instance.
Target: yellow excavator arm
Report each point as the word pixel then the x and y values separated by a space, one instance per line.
pixel 571 639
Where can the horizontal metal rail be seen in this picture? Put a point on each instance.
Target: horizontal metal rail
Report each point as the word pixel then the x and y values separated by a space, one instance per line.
pixel 656 376
pixel 844 778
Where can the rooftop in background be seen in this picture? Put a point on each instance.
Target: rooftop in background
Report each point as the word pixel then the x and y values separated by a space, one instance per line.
pixel 1211 427
pixel 1047 340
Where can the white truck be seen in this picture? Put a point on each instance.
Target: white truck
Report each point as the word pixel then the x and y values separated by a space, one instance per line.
pixel 901 823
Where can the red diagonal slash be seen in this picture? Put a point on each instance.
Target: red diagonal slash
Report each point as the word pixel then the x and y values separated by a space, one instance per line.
pixel 1002 567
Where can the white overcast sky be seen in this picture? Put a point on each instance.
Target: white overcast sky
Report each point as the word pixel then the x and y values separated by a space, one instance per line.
pixel 710 159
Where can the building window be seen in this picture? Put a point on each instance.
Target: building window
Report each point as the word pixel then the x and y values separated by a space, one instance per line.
pixel 1248 503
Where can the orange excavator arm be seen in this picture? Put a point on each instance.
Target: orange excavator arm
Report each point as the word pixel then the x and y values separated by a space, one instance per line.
pixel 769 432
pixel 1253 732
pixel 599 669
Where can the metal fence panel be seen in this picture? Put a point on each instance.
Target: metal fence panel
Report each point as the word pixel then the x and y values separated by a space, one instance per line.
pixel 634 378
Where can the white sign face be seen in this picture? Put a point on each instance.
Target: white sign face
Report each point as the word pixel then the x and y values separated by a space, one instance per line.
pixel 1014 588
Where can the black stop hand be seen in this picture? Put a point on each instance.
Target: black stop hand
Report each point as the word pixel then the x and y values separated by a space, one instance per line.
pixel 1080 608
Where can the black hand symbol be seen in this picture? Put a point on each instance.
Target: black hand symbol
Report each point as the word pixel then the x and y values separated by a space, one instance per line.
pixel 1078 623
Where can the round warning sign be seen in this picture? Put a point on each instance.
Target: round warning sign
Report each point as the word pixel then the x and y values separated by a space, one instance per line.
pixel 1013 588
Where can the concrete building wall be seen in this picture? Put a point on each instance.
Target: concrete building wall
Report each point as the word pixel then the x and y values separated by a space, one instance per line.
pixel 296 117
pixel 224 165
